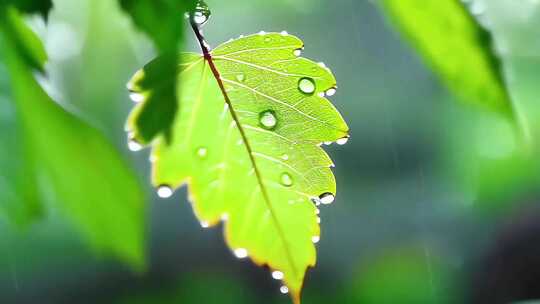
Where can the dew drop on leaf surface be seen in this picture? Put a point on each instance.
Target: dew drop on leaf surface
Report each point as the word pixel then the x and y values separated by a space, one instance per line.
pixel 331 92
pixel 297 52
pixel 268 119
pixel 241 77
pixel 164 191
pixel 202 152
pixel 286 179
pixel 306 85
pixel 285 157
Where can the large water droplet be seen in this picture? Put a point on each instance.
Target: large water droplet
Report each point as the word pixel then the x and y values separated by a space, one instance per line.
pixel 306 85
pixel 315 239
pixel 278 275
pixel 326 198
pixel 240 77
pixel 164 191
pixel 201 14
pixel 284 289
pixel 268 119
pixel 342 140
pixel 286 179
pixel 241 253
pixel 202 152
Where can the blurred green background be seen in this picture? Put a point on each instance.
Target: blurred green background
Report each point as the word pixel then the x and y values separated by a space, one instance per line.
pixel 436 202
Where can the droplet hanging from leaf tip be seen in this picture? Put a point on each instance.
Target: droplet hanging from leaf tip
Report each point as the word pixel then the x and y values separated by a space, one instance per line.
pixel 277 275
pixel 268 119
pixel 343 140
pixel 241 253
pixel 326 198
pixel 306 85
pixel 201 13
pixel 134 145
pixel 164 191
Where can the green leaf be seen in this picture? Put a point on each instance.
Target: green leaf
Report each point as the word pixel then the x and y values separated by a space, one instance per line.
pixel 256 162
pixel 92 185
pixel 163 21
pixel 456 47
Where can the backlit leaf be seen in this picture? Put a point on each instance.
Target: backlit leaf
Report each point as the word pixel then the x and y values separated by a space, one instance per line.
pixel 256 163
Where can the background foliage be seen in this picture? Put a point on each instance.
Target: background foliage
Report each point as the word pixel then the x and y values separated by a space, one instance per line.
pixel 444 193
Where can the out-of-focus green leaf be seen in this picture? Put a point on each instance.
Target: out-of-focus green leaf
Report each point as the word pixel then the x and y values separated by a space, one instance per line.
pixel 30 6
pixel 455 45
pixel 92 185
pixel 405 276
pixel 257 161
pixel 163 21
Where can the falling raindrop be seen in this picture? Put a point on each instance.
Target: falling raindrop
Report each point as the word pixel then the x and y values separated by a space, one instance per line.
pixel 306 85
pixel 315 239
pixel 136 97
pixel 331 92
pixel 134 145
pixel 202 152
pixel 268 119
pixel 164 191
pixel 284 289
pixel 278 275
pixel 241 253
pixel 240 77
pixel 286 180
pixel 327 198
pixel 343 140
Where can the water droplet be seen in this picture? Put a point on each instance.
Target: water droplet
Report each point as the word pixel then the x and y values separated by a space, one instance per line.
pixel 134 145
pixel 201 14
pixel 284 289
pixel 202 152
pixel 316 201
pixel 331 92
pixel 327 143
pixel 136 97
pixel 317 211
pixel 297 52
pixel 306 85
pixel 205 224
pixel 262 33
pixel 278 275
pixel 318 220
pixel 315 239
pixel 321 64
pixel 164 191
pixel 284 33
pixel 320 94
pixel 342 140
pixel 240 77
pixel 285 157
pixel 241 253
pixel 268 119
pixel 327 198
pixel 286 180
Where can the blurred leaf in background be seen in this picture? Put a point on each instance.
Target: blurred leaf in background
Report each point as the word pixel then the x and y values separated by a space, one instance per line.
pixel 456 46
pixel 91 184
